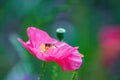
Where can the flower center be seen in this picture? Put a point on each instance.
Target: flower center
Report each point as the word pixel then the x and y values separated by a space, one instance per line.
pixel 46 46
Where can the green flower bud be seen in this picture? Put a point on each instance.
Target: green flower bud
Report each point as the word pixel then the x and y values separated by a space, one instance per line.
pixel 60 33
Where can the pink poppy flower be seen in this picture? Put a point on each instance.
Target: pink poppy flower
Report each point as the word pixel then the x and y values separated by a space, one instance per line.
pixel 45 48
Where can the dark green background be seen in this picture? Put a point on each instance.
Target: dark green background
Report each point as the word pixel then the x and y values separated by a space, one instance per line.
pixel 82 20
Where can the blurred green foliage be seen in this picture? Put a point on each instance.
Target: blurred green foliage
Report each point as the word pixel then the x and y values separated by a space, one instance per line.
pixel 81 18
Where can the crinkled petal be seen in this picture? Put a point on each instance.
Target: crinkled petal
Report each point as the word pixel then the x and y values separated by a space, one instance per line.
pixel 58 53
pixel 71 62
pixel 37 36
pixel 67 57
pixel 33 51
pixel 26 45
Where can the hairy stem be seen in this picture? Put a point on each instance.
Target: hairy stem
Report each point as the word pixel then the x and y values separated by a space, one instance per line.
pixel 74 75
pixel 54 76
pixel 43 71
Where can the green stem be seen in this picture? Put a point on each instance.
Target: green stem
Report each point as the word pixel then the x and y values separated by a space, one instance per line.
pixel 54 76
pixel 74 75
pixel 43 71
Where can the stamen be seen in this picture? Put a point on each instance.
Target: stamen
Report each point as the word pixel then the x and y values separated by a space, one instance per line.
pixel 42 48
pixel 46 46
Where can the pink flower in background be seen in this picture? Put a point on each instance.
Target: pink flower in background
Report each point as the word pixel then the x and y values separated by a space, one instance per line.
pixel 110 44
pixel 45 48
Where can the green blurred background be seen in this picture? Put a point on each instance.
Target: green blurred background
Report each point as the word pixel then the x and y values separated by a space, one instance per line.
pixel 82 19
